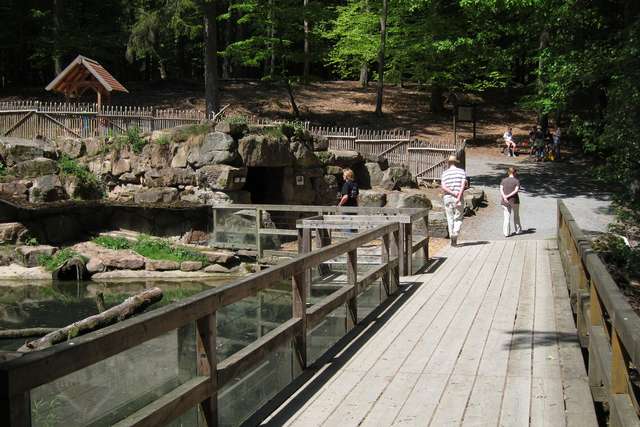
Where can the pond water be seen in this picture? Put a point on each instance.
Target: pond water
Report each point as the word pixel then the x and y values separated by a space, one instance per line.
pixel 149 370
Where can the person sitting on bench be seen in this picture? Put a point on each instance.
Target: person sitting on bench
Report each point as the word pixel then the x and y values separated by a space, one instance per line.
pixel 509 142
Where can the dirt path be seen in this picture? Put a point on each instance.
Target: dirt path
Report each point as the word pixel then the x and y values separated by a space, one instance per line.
pixel 542 185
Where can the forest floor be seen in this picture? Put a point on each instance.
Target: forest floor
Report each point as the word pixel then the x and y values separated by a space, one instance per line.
pixel 336 103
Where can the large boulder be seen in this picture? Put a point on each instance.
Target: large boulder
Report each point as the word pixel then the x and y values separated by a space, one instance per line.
pixel 213 198
pixel 222 177
pixel 94 146
pixel 212 149
pixel 80 189
pixel 103 259
pixel 10 231
pixel 16 150
pixel 169 177
pixel 29 256
pixel 396 177
pixel 438 224
pixel 34 168
pixel 47 188
pixel 372 199
pixel 400 199
pixel 326 190
pixel 70 147
pixel 264 151
pixel 156 195
pixel 100 166
pixel 17 189
pixel 121 166
pixel 346 158
pixel 236 130
pixel 375 172
pixel 161 265
pixel 303 156
pixel 320 143
pixel 124 193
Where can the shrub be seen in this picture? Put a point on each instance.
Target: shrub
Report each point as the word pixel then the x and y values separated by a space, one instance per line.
pixel 163 140
pixel 617 254
pixel 51 263
pixel 185 132
pixel 135 139
pixel 89 184
pixel 237 120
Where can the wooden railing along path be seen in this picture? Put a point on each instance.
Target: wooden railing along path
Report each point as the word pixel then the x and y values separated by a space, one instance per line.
pixel 608 327
pixel 20 374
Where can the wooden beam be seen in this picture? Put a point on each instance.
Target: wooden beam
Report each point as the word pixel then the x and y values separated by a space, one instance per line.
pixel 352 280
pixel 245 359
pixel 207 335
pixel 319 311
pixel 18 123
pixel 171 405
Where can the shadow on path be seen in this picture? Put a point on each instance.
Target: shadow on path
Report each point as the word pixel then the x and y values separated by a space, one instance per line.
pixel 329 364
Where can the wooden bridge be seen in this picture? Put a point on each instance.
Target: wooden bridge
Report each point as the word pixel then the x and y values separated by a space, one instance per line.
pixel 484 334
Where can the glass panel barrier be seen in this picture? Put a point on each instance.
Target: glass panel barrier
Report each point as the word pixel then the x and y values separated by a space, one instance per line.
pixel 112 389
pixel 244 395
pixel 326 334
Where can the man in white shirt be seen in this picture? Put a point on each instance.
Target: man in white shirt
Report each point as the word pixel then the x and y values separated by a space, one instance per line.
pixel 453 184
pixel 510 143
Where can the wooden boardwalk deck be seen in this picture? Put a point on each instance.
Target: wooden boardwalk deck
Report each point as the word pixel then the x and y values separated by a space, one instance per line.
pixel 485 339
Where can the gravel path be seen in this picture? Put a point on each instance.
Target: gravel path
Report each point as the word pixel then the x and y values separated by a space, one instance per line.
pixel 542 185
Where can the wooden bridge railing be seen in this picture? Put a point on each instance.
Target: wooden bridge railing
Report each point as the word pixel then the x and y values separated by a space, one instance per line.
pixel 608 327
pixel 20 374
pixel 282 224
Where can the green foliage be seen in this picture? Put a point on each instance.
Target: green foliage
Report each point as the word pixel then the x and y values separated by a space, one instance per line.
pixel 111 242
pixel 623 260
pixel 152 248
pixel 133 138
pixel 44 412
pixel 185 132
pixel 237 120
pixel 163 140
pixel 89 183
pixel 31 241
pixel 51 263
pixel 3 169
pixel 162 249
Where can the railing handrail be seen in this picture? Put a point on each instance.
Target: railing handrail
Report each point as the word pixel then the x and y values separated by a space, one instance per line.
pixel 30 370
pixel 608 310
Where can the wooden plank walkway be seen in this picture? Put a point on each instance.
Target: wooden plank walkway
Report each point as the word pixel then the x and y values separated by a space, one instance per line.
pixel 486 339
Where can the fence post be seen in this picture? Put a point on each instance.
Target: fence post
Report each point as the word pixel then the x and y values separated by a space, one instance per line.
pixel 258 240
pixel 207 335
pixel 386 278
pixel 352 280
pixel 300 289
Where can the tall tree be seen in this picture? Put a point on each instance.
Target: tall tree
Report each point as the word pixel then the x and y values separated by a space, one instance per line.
pixel 209 8
pixel 307 59
pixel 381 55
pixel 57 53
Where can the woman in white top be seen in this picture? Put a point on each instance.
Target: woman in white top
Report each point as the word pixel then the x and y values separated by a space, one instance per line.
pixel 508 140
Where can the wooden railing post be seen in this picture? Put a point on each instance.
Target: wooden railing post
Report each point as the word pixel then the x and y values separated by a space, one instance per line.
pixel 258 240
pixel 208 365
pixel 301 288
pixel 408 248
pixel 386 278
pixel 352 280
pixel 619 372
pixel 395 252
pixel 425 247
pixel 402 253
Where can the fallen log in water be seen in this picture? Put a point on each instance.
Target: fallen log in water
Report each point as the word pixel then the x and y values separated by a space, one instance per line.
pixel 25 333
pixel 128 308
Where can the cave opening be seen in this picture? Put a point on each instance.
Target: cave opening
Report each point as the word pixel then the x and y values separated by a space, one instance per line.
pixel 265 185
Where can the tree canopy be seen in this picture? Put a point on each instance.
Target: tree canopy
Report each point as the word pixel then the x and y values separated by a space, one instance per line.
pixel 575 62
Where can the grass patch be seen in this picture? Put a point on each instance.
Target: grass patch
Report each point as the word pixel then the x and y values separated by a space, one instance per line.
pixel 236 120
pixel 152 248
pixel 110 242
pixel 55 261
pixel 161 249
pixel 163 140
pixel 185 132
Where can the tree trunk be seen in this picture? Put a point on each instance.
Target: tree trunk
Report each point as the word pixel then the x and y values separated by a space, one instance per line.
pixel 544 42
pixel 364 74
pixel 292 100
pixel 25 333
pixel 381 54
pixel 272 34
pixel 307 60
pixel 436 102
pixel 211 56
pixel 58 11
pixel 226 62
pixel 128 308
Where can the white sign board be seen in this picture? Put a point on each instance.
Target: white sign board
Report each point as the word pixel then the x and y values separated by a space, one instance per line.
pixel 299 180
pixel 465 114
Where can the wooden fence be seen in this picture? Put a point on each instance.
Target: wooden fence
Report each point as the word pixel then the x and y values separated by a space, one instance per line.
pixel 20 374
pixel 29 119
pixel 426 159
pixel 608 327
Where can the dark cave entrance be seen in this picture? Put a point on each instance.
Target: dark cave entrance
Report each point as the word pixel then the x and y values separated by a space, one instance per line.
pixel 265 185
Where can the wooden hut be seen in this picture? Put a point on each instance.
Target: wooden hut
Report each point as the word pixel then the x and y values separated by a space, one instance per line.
pixel 82 74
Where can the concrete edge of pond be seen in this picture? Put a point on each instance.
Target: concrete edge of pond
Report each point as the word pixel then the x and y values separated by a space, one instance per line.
pixel 159 275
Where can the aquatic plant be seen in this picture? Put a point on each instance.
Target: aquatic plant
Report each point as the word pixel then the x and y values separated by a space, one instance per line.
pixel 55 261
